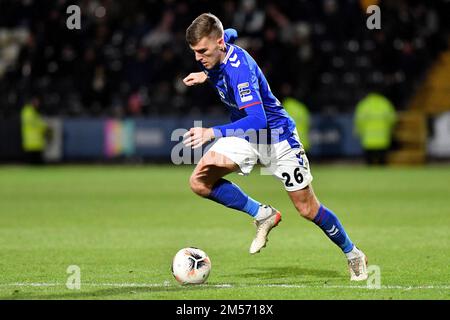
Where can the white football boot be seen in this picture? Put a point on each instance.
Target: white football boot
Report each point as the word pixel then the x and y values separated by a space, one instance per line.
pixel 263 228
pixel 358 266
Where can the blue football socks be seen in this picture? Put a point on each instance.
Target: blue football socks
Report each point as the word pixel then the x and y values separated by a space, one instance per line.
pixel 231 196
pixel 330 224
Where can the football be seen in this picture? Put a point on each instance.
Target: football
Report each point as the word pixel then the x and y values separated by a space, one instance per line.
pixel 191 266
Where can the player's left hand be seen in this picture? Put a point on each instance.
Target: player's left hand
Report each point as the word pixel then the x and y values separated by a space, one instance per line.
pixel 196 137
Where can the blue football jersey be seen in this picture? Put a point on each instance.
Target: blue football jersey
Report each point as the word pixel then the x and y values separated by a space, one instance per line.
pixel 243 88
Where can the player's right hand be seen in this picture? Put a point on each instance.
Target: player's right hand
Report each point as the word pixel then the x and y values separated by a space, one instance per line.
pixel 195 78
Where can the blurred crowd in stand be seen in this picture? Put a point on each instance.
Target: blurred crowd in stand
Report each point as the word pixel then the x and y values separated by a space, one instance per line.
pixel 129 57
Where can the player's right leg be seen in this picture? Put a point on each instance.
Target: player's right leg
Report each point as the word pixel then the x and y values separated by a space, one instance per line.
pixel 226 156
pixel 209 170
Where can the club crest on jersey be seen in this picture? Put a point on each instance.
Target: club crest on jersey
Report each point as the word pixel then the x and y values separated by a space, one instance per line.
pixel 245 92
pixel 222 95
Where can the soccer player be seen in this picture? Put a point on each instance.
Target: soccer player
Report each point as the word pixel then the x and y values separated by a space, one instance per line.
pixel 244 90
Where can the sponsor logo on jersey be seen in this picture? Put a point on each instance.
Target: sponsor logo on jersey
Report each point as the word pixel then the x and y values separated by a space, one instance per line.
pixel 245 92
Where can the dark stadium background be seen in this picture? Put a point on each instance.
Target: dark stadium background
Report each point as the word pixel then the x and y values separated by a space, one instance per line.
pixel 128 59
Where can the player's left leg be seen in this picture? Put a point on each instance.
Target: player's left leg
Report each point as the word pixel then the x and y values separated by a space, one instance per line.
pixel 289 163
pixel 309 207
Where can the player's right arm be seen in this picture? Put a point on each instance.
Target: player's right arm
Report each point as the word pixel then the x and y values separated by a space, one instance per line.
pixel 195 78
pixel 230 35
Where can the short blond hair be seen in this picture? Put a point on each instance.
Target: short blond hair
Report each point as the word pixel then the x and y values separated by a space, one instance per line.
pixel 205 25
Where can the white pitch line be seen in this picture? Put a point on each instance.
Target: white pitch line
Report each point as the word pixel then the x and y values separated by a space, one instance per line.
pixel 291 286
pixel 29 284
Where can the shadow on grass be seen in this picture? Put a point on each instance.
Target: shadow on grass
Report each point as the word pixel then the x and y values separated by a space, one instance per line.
pixel 109 293
pixel 289 272
pixel 129 292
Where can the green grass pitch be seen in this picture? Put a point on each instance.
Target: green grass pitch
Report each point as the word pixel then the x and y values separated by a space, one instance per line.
pixel 121 225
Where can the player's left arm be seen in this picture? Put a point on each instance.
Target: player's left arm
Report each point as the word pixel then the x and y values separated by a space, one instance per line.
pixel 244 82
pixel 245 85
pixel 255 120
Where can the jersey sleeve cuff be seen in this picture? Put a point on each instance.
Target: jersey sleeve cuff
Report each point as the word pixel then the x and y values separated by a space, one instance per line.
pixel 217 132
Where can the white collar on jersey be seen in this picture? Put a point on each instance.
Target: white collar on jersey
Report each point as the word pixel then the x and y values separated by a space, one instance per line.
pixel 230 51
